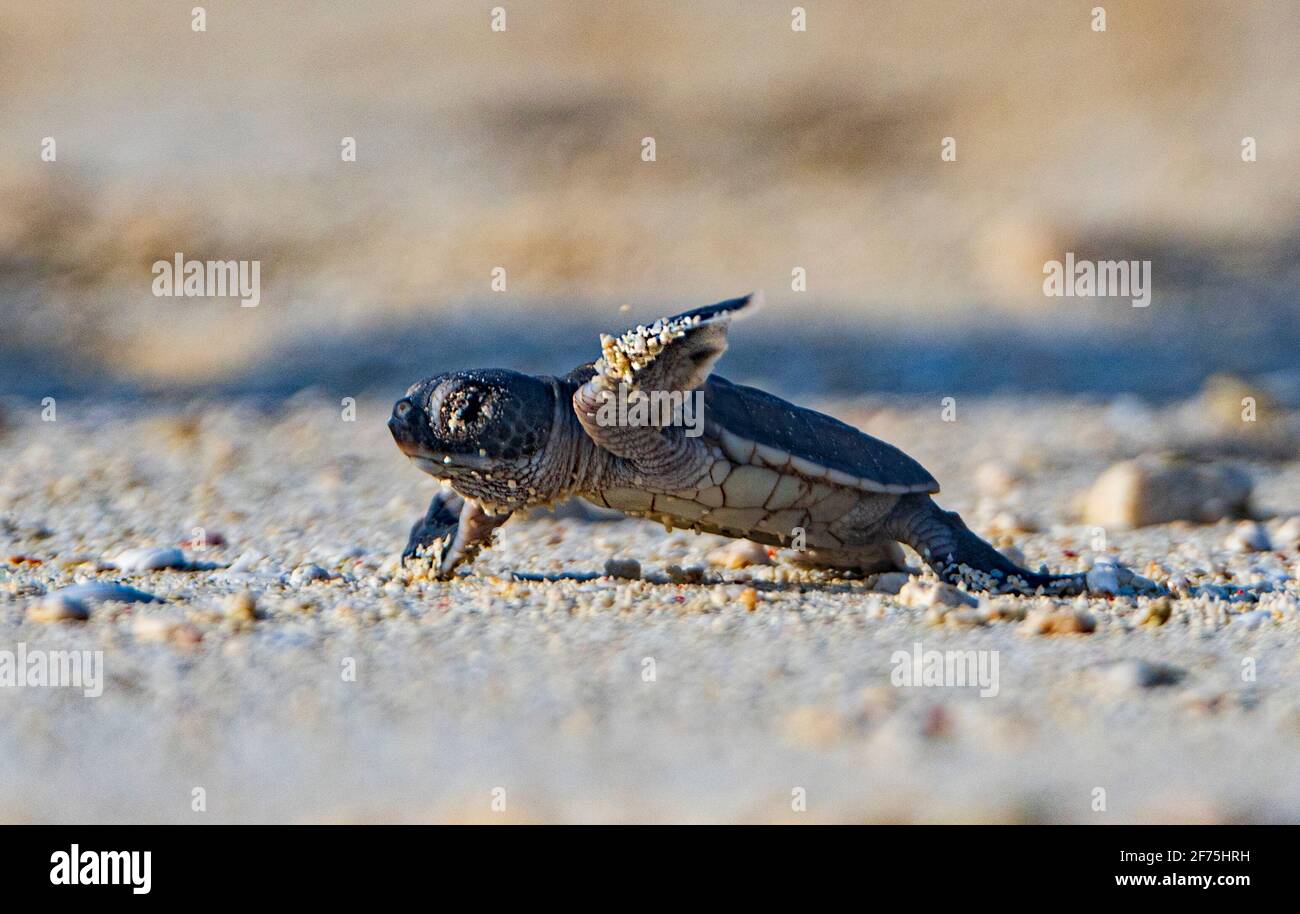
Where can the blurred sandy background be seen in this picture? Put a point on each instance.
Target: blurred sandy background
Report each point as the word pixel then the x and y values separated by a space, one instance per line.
pixel 521 149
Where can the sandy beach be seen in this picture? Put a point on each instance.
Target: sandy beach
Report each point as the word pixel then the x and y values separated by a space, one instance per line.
pixel 420 191
pixel 539 687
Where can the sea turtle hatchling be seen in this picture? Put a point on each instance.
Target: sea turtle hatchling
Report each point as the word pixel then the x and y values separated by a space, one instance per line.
pixel 759 468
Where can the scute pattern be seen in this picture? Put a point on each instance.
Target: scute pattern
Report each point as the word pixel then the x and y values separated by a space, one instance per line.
pixel 754 426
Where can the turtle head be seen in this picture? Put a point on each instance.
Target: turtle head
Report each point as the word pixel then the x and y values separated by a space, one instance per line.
pixel 472 422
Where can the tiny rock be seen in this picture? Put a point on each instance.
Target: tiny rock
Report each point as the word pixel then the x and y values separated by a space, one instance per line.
pixel 1103 576
pixel 242 608
pixel 1059 622
pixel 739 554
pixel 107 592
pixel 245 562
pixel 891 582
pixel 934 594
pixel 146 559
pixel 749 599
pixel 1109 576
pixel 1156 613
pixel 305 574
pixel 58 608
pixel 691 574
pixel 1155 490
pixel 623 568
pixel 1248 536
pixel 1131 674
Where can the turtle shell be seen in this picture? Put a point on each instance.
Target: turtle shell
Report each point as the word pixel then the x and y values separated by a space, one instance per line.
pixel 756 427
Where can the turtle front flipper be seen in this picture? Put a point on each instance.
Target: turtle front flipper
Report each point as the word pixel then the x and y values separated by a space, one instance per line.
pixel 673 353
pixel 643 401
pixel 452 531
pixel 957 555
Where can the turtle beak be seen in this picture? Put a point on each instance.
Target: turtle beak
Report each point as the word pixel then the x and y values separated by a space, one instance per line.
pixel 408 425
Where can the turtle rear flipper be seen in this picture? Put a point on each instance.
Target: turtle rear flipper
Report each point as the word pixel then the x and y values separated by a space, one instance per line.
pixel 957 555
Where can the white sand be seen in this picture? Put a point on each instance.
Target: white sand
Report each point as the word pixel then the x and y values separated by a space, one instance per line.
pixel 539 688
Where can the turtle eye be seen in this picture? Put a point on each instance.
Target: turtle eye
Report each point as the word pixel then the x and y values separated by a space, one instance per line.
pixel 466 408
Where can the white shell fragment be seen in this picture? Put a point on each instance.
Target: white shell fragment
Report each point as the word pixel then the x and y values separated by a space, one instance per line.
pixel 106 592
pixel 145 558
pixel 1103 577
pixel 1109 576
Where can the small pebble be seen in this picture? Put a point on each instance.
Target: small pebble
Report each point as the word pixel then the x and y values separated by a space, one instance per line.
pixel 148 559
pixel 1059 622
pixel 1132 674
pixel 1156 490
pixel 305 574
pixel 739 554
pixel 58 608
pixel 749 599
pixel 105 592
pixel 623 568
pixel 245 562
pixel 1156 613
pixel 1248 536
pixel 891 582
pixel 1106 576
pixel 1109 576
pixel 691 574
pixel 926 595
pixel 242 608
